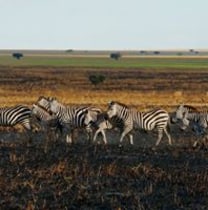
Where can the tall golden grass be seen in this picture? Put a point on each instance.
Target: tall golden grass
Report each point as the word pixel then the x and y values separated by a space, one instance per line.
pixel 135 87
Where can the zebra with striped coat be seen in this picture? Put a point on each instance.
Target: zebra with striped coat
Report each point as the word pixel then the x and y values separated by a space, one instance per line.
pixel 47 120
pixel 71 116
pixel 11 116
pixel 131 118
pixel 189 114
pixel 101 123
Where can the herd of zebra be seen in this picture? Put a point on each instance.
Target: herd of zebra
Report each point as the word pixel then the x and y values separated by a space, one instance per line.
pixel 51 113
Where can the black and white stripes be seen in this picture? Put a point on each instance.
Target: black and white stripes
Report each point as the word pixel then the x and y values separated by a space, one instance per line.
pixel 131 118
pixel 189 114
pixel 71 116
pixel 57 117
pixel 46 119
pixel 11 116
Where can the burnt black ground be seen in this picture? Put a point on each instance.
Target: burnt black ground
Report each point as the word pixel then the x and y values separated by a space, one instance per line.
pixel 39 173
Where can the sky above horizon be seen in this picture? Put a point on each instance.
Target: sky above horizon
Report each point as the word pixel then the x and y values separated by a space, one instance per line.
pixel 103 25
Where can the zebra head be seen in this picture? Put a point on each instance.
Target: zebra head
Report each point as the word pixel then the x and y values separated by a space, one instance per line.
pixel 182 112
pixel 201 125
pixel 203 121
pixel 34 109
pixel 55 106
pixel 114 109
pixel 179 113
pixel 41 113
pixel 185 123
pixel 44 102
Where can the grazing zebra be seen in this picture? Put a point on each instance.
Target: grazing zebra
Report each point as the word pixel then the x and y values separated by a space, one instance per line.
pixel 102 123
pixel 47 120
pixel 73 116
pixel 131 118
pixel 187 114
pixel 11 116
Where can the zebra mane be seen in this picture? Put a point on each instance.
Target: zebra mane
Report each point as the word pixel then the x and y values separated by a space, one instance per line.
pixel 119 103
pixel 49 98
pixel 190 108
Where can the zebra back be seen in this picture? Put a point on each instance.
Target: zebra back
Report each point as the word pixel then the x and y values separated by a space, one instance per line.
pixel 20 114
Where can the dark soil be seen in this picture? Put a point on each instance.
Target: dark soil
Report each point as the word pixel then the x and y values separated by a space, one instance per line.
pixel 39 173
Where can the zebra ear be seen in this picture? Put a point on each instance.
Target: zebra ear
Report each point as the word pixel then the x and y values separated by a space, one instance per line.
pixel 110 103
pixel 40 97
pixel 51 99
pixel 86 111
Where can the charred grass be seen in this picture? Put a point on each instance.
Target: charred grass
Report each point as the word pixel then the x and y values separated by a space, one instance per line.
pixel 83 176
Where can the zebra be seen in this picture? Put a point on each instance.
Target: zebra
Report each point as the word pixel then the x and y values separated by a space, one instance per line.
pixel 19 114
pixel 202 122
pixel 131 118
pixel 47 120
pixel 187 114
pixel 102 123
pixel 71 116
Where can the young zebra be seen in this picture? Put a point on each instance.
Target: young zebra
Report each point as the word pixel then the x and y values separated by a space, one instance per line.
pixel 47 120
pixel 11 116
pixel 101 123
pixel 145 120
pixel 72 116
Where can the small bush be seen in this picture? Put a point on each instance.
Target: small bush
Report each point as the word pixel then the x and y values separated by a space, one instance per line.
pixel 115 56
pixel 17 55
pixel 96 79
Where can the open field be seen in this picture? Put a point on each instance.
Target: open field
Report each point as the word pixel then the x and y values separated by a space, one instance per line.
pixel 152 62
pixel 142 82
pixel 37 172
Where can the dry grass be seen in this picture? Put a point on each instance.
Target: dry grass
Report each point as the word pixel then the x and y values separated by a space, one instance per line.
pixel 141 88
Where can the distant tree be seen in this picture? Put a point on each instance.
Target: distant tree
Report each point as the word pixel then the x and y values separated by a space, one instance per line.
pixel 142 52
pixel 115 55
pixel 17 55
pixel 156 52
pixel 69 50
pixel 96 79
pixel 179 53
pixel 191 50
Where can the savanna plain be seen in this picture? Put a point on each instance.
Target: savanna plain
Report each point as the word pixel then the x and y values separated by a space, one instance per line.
pixel 40 171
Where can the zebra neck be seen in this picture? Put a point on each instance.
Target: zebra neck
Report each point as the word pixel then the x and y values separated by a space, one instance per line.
pixel 61 112
pixel 44 108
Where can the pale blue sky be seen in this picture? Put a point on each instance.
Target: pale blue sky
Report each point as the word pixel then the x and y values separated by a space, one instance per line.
pixel 103 25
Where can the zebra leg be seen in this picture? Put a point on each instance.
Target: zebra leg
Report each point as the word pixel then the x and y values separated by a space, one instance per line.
pixel 104 136
pixel 28 131
pixel 123 134
pixel 131 139
pixel 168 135
pixel 96 133
pixel 69 138
pixel 100 130
pixel 160 135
